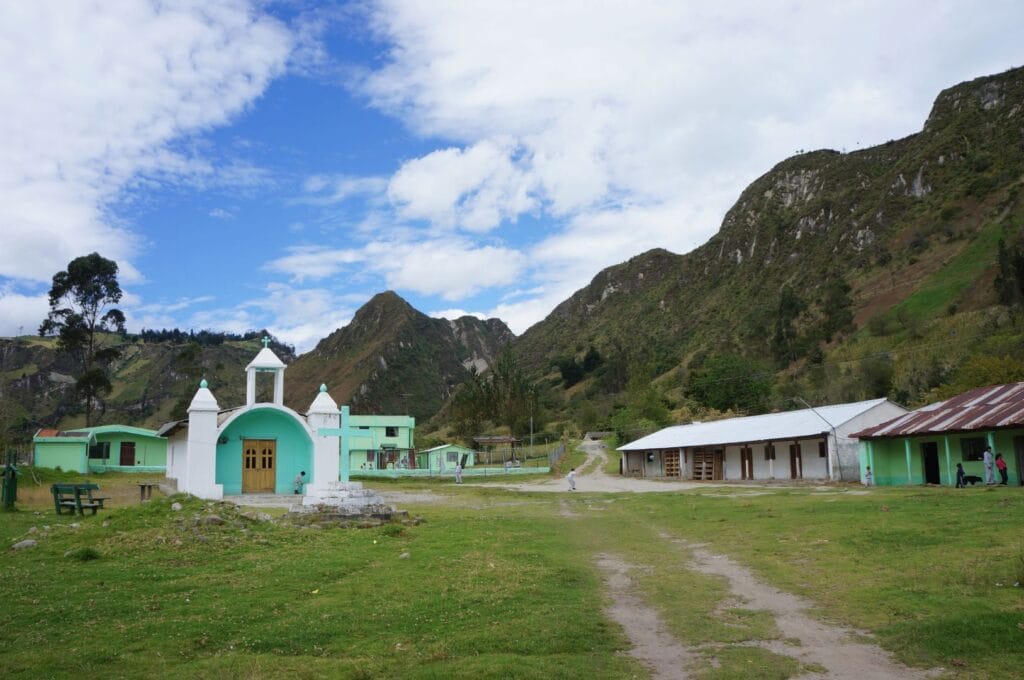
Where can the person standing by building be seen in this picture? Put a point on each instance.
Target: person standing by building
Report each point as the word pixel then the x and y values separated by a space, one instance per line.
pixel 1001 466
pixel 458 473
pixel 300 479
pixel 986 458
pixel 960 483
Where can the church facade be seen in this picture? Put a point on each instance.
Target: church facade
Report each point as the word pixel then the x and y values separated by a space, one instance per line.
pixel 257 448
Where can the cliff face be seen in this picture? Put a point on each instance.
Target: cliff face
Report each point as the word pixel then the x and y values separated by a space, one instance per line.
pixel 394 359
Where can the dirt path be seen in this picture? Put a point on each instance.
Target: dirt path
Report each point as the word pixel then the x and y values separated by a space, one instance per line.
pixel 653 645
pixel 835 648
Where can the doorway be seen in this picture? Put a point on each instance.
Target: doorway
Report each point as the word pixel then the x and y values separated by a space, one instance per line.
pixel 259 465
pixel 930 455
pixel 746 463
pixel 1018 445
pixel 796 462
pixel 127 454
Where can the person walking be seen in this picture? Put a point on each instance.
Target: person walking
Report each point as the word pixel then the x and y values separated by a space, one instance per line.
pixel 960 483
pixel 571 478
pixel 986 458
pixel 458 473
pixel 1001 466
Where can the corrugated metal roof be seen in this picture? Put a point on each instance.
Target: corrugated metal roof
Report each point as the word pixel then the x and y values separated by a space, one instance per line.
pixel 984 408
pixel 768 427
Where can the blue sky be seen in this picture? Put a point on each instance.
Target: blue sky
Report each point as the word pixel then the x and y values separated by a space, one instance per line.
pixel 275 164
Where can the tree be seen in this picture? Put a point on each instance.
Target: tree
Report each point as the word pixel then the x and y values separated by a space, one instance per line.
pixel 1009 281
pixel 731 383
pixel 785 340
pixel 80 313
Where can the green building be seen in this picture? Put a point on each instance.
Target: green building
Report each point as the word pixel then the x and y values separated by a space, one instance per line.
pixel 381 442
pixel 924 446
pixel 101 448
pixel 445 457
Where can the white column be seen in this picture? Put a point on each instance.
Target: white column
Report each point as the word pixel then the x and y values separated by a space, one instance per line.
pixel 323 414
pixel 200 474
pixel 279 387
pixel 250 387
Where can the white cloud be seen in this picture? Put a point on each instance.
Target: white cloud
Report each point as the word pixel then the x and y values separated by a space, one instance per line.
pixel 452 270
pixel 475 189
pixel 222 214
pixel 21 314
pixel 333 189
pixel 313 262
pixel 455 313
pixel 94 95
pixel 624 126
pixel 449 268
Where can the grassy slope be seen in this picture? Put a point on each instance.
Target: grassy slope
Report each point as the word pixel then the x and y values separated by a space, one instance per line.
pixel 500 584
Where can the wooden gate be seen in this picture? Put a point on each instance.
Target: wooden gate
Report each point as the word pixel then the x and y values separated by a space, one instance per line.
pixel 672 464
pixel 259 465
pixel 707 465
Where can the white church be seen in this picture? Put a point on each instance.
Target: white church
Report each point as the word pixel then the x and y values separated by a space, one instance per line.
pixel 261 447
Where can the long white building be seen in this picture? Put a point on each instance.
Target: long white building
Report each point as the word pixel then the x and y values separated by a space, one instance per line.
pixel 812 443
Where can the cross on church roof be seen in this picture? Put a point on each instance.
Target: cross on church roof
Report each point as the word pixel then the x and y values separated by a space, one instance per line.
pixel 266 341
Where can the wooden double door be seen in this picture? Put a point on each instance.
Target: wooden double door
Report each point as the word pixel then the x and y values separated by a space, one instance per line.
pixel 259 465
pixel 707 463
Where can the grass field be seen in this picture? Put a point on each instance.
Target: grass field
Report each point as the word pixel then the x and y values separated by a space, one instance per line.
pixel 502 584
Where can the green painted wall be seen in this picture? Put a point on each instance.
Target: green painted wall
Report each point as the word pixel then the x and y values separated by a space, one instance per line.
pixel 370 432
pixel 66 455
pixel 150 452
pixel 435 460
pixel 294 449
pixel 890 458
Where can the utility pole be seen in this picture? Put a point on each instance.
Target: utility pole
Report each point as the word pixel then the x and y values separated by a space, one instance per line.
pixel 835 438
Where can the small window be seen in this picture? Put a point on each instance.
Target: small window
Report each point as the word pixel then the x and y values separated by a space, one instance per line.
pixel 769 452
pixel 100 451
pixel 453 456
pixel 972 447
pixel 822 450
pixel 390 431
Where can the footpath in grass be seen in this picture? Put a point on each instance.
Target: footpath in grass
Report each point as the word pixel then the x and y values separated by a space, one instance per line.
pixel 926 572
pixel 503 584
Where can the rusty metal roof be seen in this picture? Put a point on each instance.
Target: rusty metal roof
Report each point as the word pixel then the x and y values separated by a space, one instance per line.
pixel 984 408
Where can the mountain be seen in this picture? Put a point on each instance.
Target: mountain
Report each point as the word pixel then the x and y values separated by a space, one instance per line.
pixel 827 265
pixel 393 359
pixel 153 380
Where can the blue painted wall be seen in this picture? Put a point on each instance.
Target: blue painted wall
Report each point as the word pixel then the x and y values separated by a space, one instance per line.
pixel 294 448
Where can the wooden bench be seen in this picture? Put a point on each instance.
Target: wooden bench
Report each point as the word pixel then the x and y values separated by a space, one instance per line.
pixel 76 498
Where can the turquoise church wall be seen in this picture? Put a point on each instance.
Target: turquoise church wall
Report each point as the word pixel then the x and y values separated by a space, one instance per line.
pixel 294 448
pixel 888 457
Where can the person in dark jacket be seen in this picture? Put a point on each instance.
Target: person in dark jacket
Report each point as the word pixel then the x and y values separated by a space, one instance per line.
pixel 960 484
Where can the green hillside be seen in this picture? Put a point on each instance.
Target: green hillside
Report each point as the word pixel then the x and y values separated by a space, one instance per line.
pixel 844 275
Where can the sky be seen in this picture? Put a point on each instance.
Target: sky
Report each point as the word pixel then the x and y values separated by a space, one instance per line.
pixel 274 165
